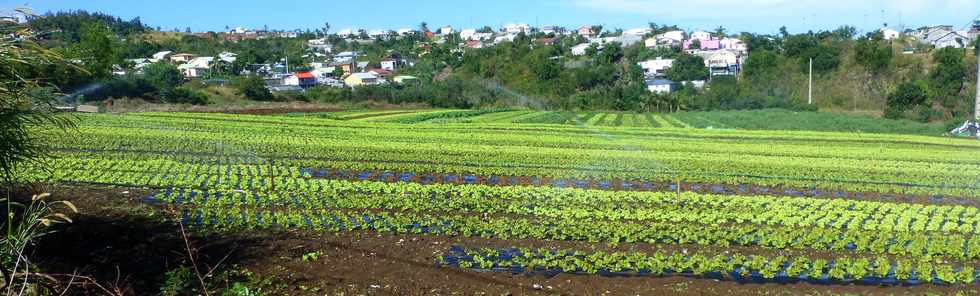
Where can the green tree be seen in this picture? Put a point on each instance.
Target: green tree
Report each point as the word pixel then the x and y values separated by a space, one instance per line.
pixel 873 53
pixel 98 49
pixel 253 87
pixel 163 76
pixel 947 76
pixel 908 95
pixel 688 68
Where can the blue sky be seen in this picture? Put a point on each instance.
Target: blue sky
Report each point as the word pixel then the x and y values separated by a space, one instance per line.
pixel 761 16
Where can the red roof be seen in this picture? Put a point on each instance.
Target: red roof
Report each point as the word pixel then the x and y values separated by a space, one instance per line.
pixel 304 75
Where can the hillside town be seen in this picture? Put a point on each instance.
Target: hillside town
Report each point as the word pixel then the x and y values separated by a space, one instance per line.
pixel 723 55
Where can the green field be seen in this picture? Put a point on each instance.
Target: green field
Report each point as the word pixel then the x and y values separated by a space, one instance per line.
pixel 770 119
pixel 808 205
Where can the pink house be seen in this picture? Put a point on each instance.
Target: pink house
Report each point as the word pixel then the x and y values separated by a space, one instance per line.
pixel 705 44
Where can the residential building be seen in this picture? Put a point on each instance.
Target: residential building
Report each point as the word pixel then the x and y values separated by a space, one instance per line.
pixel 546 41
pixel 377 33
pixel 467 34
pixel 656 67
pixel 301 79
pixel 548 30
pixel 889 33
pixel 347 67
pixel 320 44
pixel 932 34
pixel 516 28
pixel 951 39
pixel 585 31
pixel 445 30
pixel 580 49
pixel 160 56
pixel 638 31
pixel 702 35
pixel 674 35
pixel 345 56
pixel 358 79
pixel 705 44
pixel 346 32
pixel 406 31
pixel 389 64
pixel 662 42
pixel 481 36
pixel 734 44
pixel 228 57
pixel 475 44
pixel 661 86
pixel 505 38
pixel 196 67
pixel 181 58
pixel 721 62
pixel 138 64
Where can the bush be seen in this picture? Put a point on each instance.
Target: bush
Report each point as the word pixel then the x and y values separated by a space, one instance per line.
pixel 253 88
pixel 183 95
pixel 908 95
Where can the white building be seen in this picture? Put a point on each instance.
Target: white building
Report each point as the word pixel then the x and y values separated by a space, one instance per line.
pixel 638 31
pixel 466 34
pixel 674 35
pixel 228 57
pixel 389 64
pixel 951 39
pixel 734 44
pixel 445 30
pixel 160 56
pixel 580 49
pixel 406 31
pixel 701 35
pixel 657 67
pixel 661 86
pixel 346 32
pixel 196 67
pixel 516 28
pixel 890 34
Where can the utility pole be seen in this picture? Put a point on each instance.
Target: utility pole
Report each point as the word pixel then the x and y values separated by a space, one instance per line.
pixel 809 99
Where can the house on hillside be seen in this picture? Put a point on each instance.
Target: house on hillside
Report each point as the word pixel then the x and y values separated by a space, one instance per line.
pixel 585 31
pixel 889 33
pixel 721 62
pixel 661 86
pixel 161 56
pixel 702 35
pixel 581 49
pixel 196 67
pixel 546 41
pixel 678 35
pixel 359 79
pixel 475 44
pixel 182 58
pixel 228 57
pixel 656 67
pixel 952 39
pixel 389 64
pixel 345 56
pixel 516 28
pixel 705 44
pixel 445 30
pixel 638 31
pixel 734 44
pixel 301 79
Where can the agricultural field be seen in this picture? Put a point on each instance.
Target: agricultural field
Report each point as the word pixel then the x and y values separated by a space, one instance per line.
pixel 559 202
pixel 770 119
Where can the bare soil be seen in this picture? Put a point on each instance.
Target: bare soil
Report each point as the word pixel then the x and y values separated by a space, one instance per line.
pixel 124 243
